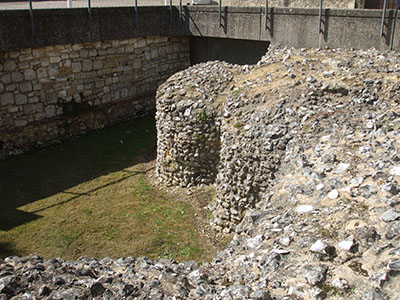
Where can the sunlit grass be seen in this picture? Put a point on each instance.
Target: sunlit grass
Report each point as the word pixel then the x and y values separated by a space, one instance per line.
pixel 90 197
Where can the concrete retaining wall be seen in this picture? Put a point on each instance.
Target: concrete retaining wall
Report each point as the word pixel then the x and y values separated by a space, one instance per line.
pixel 52 92
pixel 297 27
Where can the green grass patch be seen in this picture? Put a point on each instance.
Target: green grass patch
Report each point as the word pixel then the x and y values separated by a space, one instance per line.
pixel 89 196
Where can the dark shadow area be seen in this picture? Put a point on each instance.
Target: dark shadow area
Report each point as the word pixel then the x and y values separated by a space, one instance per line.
pixel 33 176
pixel 7 249
pixel 234 51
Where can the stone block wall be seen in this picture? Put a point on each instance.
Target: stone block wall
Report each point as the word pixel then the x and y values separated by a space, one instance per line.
pixel 52 92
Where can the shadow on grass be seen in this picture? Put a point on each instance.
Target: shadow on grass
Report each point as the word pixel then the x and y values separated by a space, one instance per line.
pixel 34 176
pixel 7 249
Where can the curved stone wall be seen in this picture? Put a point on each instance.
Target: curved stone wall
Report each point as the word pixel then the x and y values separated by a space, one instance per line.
pixel 188 124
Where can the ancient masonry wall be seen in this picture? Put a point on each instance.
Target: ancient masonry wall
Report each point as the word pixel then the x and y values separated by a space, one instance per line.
pixel 53 92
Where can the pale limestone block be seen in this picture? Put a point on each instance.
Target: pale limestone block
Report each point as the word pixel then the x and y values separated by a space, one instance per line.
pixel 26 51
pixel 77 47
pixel 76 67
pixel 55 59
pixel 26 57
pixel 37 86
pixel 92 52
pixel 87 65
pixel 39 116
pixel 177 47
pixel 163 39
pixel 67 63
pixel 34 99
pixel 59 47
pixel 44 63
pixel 62 94
pixel 25 87
pixel 42 73
pixel 84 53
pixel 20 122
pixel 141 43
pixel 50 111
pixel 64 56
pixel 23 65
pixel 6 99
pixel 39 107
pixel 5 79
pixel 29 108
pixel 53 70
pixel 29 74
pixel 102 52
pixel 99 84
pixel 11 87
pixel 52 98
pixel 111 51
pixel 124 93
pixel 17 76
pixel 98 65
pixel 38 52
pixel 129 49
pixel 10 65
pixel 21 99
pixel 115 95
pixel 74 55
pixel 13 109
pixel 14 54
pixel 154 53
pixel 115 43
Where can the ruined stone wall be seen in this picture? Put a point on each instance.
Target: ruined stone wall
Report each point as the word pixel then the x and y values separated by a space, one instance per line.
pixel 52 92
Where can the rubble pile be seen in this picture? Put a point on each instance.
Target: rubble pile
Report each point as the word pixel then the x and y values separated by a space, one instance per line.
pixel 303 149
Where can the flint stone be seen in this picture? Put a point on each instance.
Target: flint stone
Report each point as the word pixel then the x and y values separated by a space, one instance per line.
pixel 390 215
pixel 394 230
pixel 348 244
pixel 333 194
pixel 395 171
pixel 317 294
pixel 394 265
pixel 315 274
pixel 341 168
pixel 302 209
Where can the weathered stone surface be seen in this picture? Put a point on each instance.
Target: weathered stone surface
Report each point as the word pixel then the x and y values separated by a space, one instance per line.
pixel 288 131
pixel 91 75
pixel 307 160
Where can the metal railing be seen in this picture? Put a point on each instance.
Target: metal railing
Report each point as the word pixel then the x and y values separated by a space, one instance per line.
pixel 267 16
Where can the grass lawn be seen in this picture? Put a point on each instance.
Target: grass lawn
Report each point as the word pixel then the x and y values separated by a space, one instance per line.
pixel 89 196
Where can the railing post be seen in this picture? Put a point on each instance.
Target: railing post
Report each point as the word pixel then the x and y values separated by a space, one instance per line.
pixel 31 14
pixel 383 18
pixel 180 11
pixel 90 16
pixel 320 17
pixel 266 15
pixel 220 13
pixel 69 3
pixel 136 14
pixel 170 12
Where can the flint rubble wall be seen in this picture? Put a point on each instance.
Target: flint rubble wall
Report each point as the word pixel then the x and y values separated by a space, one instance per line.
pixel 309 141
pixel 56 91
